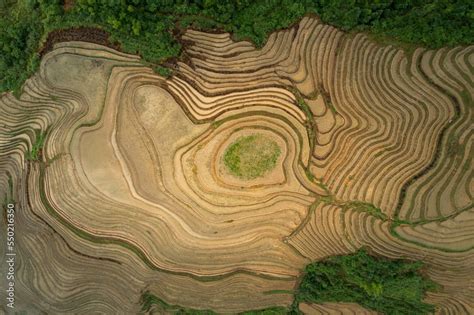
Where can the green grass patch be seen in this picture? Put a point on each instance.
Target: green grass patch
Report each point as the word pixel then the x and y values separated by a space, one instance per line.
pixel 217 123
pixel 155 305
pixel 267 311
pixel 10 186
pixel 149 300
pixel 251 156
pixel 454 147
pixel 366 207
pixel 279 292
pixel 380 284
pixel 164 72
pixel 310 128
pixel 308 174
pixel 8 196
pixel 34 153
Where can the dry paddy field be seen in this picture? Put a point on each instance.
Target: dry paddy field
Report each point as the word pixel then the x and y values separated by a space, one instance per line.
pixel 139 185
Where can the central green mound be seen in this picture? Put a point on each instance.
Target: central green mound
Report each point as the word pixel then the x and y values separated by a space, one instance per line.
pixel 251 156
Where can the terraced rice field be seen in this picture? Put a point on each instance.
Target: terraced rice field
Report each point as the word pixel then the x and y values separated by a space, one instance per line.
pixel 365 145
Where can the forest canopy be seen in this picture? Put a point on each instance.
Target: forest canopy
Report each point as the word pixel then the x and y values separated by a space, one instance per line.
pixel 380 284
pixel 151 27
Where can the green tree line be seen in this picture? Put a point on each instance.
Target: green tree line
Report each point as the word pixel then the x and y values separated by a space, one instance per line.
pixel 150 27
pixel 376 283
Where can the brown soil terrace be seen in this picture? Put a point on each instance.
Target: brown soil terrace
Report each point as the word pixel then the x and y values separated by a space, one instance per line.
pixel 130 193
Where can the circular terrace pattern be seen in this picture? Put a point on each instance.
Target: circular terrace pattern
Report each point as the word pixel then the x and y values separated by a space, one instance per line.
pixel 337 127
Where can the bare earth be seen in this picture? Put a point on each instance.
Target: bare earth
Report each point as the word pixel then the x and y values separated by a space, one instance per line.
pixel 131 195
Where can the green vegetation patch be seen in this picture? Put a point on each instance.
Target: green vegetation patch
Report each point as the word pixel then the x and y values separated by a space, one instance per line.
pixel 251 156
pixel 152 28
pixel 149 300
pixel 34 153
pixel 20 33
pixel 380 284
pixel 366 207
pixel 154 305
pixel 277 310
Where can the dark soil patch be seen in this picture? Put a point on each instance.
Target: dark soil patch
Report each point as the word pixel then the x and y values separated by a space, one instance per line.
pixel 83 34
pixel 68 4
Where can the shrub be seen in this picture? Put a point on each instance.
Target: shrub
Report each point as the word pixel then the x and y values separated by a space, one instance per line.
pixel 380 284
